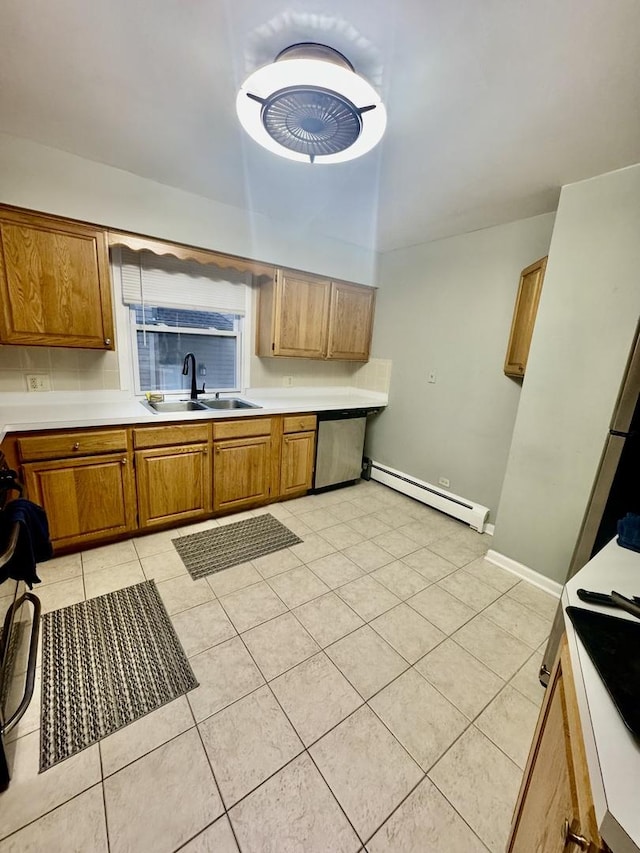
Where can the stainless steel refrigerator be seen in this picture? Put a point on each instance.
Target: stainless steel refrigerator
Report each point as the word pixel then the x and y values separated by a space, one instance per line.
pixel 615 492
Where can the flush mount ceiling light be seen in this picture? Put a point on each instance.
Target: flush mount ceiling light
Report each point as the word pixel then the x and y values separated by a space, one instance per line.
pixel 310 105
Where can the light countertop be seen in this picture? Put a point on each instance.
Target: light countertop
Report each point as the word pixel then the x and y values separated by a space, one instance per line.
pixel 107 408
pixel 613 754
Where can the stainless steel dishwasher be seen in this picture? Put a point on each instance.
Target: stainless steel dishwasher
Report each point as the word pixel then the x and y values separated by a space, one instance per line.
pixel 339 447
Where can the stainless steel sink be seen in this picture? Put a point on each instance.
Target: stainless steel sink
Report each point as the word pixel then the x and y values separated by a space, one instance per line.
pixel 230 403
pixel 177 406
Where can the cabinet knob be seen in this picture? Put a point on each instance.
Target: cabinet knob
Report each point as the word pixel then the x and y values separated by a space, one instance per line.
pixel 76 446
pixel 123 461
pixel 570 837
pixel 107 342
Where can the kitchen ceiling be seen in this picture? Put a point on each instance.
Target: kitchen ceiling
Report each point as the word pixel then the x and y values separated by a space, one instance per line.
pixel 492 105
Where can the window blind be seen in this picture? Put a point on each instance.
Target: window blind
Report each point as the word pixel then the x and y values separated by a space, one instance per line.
pixel 170 282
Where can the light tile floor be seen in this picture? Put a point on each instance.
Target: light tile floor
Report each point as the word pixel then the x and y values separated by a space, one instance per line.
pixel 371 689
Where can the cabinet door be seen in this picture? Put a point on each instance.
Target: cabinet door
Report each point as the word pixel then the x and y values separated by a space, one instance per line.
pixel 173 484
pixel 54 280
pixel 241 472
pixel 350 321
pixel 300 322
pixel 85 499
pixel 524 318
pixel 555 792
pixel 297 462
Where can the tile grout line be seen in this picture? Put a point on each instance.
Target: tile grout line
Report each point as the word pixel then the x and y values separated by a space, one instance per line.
pixel 323 649
pixel 305 748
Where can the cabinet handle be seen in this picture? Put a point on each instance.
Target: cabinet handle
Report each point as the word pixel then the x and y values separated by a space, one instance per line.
pixel 123 461
pixel 107 342
pixel 570 837
pixel 76 446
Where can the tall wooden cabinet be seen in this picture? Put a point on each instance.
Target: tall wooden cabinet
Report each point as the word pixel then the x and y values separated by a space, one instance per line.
pixel 524 318
pixel 554 811
pixel 54 282
pixel 306 316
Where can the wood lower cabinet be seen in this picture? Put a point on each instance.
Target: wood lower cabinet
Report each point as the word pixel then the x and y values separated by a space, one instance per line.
pixel 86 499
pixel 54 281
pixel 298 454
pixel 297 457
pixel 241 472
pixel 307 316
pixel 524 318
pixel 554 811
pixel 101 484
pixel 173 485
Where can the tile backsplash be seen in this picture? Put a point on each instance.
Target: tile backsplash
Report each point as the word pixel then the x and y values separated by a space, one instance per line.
pixel 68 369
pixel 272 373
pixel 89 370
pixel 375 375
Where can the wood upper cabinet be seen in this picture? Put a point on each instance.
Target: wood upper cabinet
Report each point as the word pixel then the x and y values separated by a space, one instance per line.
pixel 292 316
pixel 524 318
pixel 173 484
pixel 554 811
pixel 86 499
pixel 311 317
pixel 350 321
pixel 54 282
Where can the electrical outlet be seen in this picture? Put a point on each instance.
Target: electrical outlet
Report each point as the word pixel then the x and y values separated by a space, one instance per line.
pixel 432 377
pixel 287 380
pixel 444 482
pixel 38 382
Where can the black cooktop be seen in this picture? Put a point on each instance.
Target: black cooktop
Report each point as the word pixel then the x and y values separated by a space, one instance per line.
pixel 613 644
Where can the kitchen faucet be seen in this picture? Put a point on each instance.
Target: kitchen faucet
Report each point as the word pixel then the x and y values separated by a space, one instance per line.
pixel 185 372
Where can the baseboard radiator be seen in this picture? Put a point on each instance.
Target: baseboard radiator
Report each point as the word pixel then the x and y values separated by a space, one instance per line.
pixel 475 515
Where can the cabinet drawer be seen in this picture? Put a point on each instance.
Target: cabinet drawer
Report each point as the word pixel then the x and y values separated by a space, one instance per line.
pixel 242 428
pixel 61 445
pixel 176 434
pixel 299 423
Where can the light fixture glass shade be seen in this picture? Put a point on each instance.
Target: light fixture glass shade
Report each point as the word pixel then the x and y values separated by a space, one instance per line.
pixel 348 98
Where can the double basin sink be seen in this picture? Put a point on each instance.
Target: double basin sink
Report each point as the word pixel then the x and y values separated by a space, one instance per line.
pixel 199 405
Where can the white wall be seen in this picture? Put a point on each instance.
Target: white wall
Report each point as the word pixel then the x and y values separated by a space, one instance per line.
pixel 447 306
pixel 52 181
pixel 584 329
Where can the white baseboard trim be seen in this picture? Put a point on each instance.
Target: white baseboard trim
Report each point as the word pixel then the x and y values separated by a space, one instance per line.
pixel 489 528
pixel 522 571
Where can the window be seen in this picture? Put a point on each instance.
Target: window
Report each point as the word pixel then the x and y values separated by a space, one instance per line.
pixel 178 307
pixel 163 336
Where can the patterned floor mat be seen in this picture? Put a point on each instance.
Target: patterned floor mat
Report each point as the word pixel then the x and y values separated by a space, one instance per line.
pixel 212 550
pixel 105 663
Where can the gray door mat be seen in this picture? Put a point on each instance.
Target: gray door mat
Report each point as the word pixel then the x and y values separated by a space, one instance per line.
pixel 105 663
pixel 212 550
